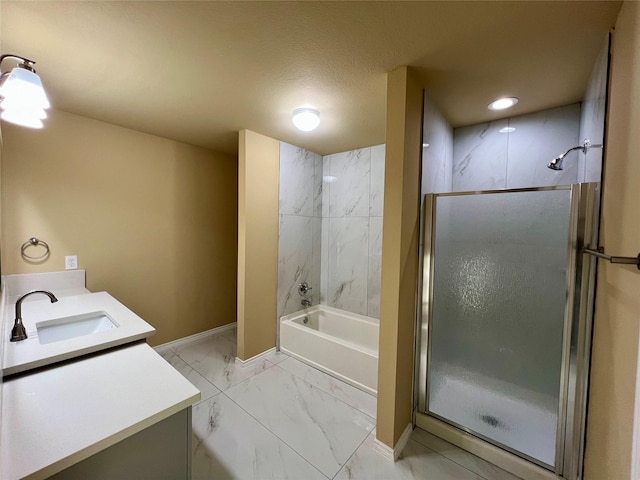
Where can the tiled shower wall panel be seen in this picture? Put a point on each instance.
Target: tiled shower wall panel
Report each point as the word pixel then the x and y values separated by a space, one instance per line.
pixel 352 203
pixel 592 120
pixel 437 151
pixel 484 158
pixel 300 220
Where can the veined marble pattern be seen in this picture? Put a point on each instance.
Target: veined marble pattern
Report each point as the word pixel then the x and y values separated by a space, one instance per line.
pixel 318 426
pixel 230 444
pixel 480 157
pixel 437 157
pixel 324 261
pixel 316 264
pixel 592 118
pixel 297 189
pixel 348 264
pixel 349 193
pixel 375 264
pixel 215 359
pixel 207 389
pixel 539 138
pixel 318 184
pixel 416 461
pixel 350 395
pixel 295 260
pixel 300 415
pixel 376 189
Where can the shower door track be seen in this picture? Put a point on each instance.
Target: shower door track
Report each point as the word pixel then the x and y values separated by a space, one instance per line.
pixel 578 317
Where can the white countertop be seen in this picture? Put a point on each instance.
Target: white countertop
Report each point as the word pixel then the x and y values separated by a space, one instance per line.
pixel 54 418
pixel 28 354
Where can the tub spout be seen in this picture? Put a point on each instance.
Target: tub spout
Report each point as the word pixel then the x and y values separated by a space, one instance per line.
pixel 305 303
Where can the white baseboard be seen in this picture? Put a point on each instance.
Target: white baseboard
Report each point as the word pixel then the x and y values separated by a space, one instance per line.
pixel 392 454
pixel 191 338
pixel 255 358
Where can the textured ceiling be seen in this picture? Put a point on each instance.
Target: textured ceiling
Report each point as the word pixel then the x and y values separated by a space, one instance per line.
pixel 198 72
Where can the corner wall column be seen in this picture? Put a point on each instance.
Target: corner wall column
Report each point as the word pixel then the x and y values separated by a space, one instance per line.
pixel 399 254
pixel 258 178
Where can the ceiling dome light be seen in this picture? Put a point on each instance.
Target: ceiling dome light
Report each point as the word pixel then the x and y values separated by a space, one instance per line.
pixel 306 119
pixel 503 103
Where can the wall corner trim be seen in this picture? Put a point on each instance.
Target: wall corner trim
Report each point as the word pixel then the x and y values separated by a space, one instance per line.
pixel 255 358
pixel 392 454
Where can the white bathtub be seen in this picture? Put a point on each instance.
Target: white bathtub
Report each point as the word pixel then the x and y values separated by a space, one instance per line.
pixel 340 343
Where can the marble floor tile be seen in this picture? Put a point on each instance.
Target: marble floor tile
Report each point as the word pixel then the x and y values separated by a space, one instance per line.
pixel 276 357
pixel 207 389
pixel 321 428
pixel 461 457
pixel 230 444
pixel 215 359
pixel 350 395
pixel 230 334
pixel 416 462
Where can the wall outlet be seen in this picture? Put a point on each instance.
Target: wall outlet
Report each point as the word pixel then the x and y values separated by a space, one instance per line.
pixel 71 262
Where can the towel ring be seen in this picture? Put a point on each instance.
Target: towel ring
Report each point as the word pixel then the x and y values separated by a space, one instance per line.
pixel 34 242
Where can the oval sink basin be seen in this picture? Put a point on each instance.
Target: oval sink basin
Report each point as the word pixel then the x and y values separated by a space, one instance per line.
pixel 65 328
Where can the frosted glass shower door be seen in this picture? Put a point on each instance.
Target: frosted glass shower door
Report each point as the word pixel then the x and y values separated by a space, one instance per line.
pixel 499 293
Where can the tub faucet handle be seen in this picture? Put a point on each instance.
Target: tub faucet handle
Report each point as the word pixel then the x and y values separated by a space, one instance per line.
pixel 303 289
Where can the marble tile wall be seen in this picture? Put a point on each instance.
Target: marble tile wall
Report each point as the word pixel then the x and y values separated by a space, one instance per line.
pixel 300 222
pixel 486 159
pixel 437 151
pixel 592 118
pixel 330 230
pixel 352 204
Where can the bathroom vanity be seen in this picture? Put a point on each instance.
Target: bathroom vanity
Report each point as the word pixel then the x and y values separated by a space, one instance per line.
pixel 101 405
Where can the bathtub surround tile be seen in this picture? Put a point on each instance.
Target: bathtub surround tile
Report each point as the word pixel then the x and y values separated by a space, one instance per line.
pixel 480 157
pixel 316 259
pixel 348 264
pixel 215 359
pixel 295 261
pixel 327 181
pixel 464 459
pixel 374 269
pixel 229 444
pixel 416 461
pixel 297 193
pixel 321 428
pixel 349 193
pixel 318 184
pixel 324 261
pixel 350 395
pixel 539 138
pixel 207 389
pixel 376 190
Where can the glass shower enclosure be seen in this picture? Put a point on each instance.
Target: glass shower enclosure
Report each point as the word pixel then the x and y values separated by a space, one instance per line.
pixel 504 330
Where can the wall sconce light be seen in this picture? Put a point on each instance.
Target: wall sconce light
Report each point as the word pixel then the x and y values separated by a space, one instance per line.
pixel 306 119
pixel 23 99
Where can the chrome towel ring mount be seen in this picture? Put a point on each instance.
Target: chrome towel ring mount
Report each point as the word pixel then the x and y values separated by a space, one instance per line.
pixel 34 242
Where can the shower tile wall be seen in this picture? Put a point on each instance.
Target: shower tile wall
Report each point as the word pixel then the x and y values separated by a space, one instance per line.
pixel 485 159
pixel 352 230
pixel 330 232
pixel 437 151
pixel 300 210
pixel 592 121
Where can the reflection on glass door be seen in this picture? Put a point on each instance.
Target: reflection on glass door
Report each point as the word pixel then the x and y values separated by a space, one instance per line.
pixel 497 320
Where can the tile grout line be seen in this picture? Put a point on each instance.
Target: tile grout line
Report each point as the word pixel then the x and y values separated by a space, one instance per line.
pixel 354 452
pixel 223 392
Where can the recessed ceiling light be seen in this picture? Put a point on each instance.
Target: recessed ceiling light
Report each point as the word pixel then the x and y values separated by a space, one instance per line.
pixel 503 103
pixel 306 119
pixel 507 129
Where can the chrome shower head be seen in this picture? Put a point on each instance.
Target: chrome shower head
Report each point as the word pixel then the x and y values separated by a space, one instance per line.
pixel 556 163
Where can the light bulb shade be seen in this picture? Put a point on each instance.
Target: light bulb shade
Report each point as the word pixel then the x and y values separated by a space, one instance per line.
pixel 25 117
pixel 23 88
pixel 306 119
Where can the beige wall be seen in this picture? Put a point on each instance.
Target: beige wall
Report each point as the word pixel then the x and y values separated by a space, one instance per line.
pixel 152 221
pixel 399 254
pixel 258 178
pixel 617 318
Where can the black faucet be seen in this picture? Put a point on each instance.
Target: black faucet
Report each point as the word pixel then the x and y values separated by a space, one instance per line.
pixel 18 332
